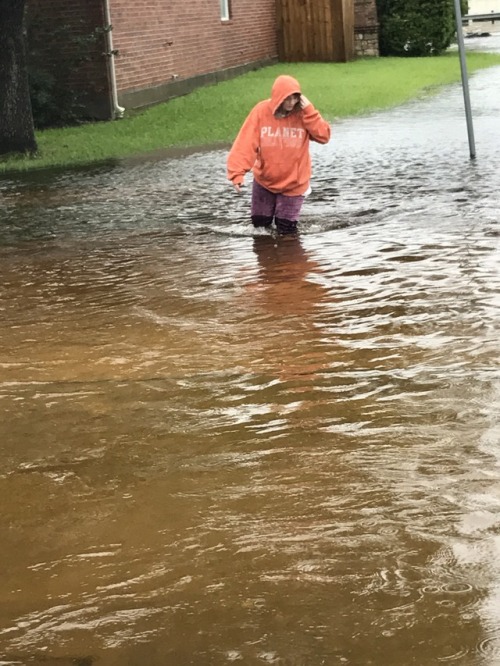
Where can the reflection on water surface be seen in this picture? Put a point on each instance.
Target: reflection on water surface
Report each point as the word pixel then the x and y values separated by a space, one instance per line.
pixel 220 447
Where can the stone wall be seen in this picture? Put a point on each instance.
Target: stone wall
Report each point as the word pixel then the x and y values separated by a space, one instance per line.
pixel 365 28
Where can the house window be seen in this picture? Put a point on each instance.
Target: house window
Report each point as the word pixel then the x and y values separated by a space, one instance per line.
pixel 224 10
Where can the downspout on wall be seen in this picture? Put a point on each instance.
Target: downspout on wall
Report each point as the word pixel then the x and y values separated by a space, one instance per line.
pixel 117 111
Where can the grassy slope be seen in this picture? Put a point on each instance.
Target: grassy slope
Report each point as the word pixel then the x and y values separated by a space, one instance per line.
pixel 213 114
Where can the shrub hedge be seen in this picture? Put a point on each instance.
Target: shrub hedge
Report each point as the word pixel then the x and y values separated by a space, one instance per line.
pixel 416 27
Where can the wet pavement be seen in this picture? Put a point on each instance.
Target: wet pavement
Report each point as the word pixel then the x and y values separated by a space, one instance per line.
pixel 224 447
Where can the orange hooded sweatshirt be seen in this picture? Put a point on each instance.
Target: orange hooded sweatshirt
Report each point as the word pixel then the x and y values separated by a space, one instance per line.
pixel 277 149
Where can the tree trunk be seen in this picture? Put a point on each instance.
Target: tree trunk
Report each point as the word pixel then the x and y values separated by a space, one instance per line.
pixel 17 133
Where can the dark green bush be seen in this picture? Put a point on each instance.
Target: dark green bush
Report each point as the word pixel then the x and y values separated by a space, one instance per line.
pixel 54 52
pixel 416 27
pixel 53 105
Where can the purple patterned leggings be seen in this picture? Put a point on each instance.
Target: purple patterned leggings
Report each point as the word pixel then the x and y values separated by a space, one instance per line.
pixel 267 206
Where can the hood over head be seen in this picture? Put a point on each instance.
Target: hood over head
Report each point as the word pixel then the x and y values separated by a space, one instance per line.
pixel 283 87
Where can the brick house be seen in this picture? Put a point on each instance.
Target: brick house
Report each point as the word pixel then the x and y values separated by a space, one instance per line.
pixel 158 49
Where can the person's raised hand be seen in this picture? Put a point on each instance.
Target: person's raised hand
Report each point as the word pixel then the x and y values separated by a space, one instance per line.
pixel 304 101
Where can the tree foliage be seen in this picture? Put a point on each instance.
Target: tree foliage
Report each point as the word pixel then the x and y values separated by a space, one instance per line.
pixel 416 27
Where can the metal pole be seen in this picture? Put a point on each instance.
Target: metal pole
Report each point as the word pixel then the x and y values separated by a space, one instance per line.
pixel 465 81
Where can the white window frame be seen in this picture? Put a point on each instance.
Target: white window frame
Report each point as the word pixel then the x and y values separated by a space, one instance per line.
pixel 225 14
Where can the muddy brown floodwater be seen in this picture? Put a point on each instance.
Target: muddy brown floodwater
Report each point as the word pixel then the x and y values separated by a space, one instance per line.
pixel 220 447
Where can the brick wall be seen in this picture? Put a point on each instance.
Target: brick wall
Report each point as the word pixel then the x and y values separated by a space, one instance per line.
pixel 162 44
pixel 165 47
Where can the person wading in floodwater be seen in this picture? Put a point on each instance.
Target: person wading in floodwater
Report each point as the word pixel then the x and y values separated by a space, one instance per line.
pixel 273 142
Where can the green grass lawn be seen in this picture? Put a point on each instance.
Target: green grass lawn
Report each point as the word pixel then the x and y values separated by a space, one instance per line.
pixel 213 114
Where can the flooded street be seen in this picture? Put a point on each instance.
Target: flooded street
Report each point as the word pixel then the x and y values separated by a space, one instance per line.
pixel 221 447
